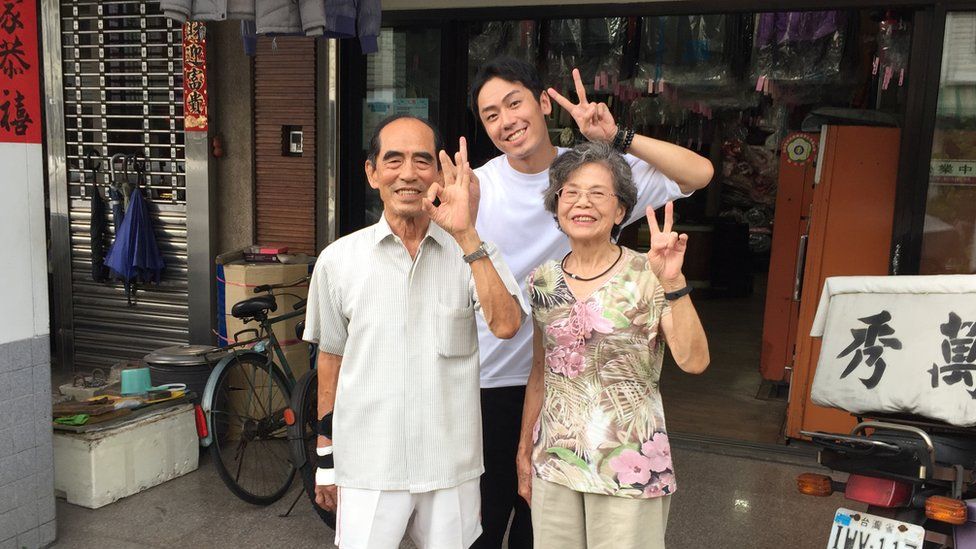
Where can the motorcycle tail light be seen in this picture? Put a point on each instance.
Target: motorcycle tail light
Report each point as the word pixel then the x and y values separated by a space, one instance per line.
pixel 948 510
pixel 878 491
pixel 289 416
pixel 813 484
pixel 201 421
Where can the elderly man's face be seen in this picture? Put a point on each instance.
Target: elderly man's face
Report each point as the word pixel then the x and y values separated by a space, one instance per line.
pixel 588 207
pixel 405 167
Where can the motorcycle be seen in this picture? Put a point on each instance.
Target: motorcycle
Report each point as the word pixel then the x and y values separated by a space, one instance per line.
pixel 917 477
pixel 897 353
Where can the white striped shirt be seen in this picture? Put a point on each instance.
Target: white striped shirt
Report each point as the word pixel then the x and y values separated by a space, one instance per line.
pixel 408 410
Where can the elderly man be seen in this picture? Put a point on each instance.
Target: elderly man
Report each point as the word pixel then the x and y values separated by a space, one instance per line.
pixel 508 98
pixel 392 309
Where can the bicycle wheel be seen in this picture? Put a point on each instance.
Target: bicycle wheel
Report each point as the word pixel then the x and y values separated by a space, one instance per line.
pixel 304 402
pixel 250 445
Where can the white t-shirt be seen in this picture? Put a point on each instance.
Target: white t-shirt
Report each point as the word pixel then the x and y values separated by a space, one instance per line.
pixel 511 215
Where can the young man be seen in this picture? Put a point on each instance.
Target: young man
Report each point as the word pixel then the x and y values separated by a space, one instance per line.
pixel 392 309
pixel 508 97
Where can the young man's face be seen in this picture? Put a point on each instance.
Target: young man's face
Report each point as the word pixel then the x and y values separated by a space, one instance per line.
pixel 513 117
pixel 405 167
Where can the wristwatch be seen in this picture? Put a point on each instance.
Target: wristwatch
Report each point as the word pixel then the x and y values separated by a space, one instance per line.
pixel 482 251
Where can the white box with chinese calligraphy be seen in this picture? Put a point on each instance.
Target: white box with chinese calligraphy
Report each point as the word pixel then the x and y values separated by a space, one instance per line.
pixel 898 344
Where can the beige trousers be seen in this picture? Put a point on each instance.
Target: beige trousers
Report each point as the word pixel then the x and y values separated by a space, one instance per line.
pixel 563 518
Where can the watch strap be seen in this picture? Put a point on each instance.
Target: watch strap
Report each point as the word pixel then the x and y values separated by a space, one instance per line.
pixel 671 296
pixel 482 251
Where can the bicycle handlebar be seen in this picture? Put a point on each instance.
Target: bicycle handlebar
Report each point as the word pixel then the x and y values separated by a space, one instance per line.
pixel 268 287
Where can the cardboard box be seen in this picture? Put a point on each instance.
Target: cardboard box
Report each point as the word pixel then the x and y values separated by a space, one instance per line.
pixel 240 280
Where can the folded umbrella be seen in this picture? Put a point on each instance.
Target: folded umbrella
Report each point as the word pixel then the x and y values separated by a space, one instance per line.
pixel 134 256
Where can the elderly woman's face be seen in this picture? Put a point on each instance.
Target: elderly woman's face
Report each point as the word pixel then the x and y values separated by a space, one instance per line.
pixel 587 207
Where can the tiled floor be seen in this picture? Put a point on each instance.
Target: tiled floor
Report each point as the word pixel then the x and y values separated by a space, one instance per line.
pixel 722 401
pixel 723 501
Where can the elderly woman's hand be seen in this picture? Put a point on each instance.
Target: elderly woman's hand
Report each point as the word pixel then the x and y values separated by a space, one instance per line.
pixel 523 466
pixel 667 253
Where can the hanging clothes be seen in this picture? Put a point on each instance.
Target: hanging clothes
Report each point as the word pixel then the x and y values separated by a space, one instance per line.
pixel 799 46
pixel 134 256
pixel 207 10
pixel 328 18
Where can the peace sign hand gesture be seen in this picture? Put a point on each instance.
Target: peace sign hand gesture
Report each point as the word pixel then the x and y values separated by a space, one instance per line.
pixel 667 253
pixel 594 119
pixel 458 196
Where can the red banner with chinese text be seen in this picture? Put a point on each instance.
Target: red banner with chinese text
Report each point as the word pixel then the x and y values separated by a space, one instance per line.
pixel 20 89
pixel 194 77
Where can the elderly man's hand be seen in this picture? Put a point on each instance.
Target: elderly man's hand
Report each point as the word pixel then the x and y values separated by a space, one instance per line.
pixel 594 119
pixel 327 497
pixel 457 209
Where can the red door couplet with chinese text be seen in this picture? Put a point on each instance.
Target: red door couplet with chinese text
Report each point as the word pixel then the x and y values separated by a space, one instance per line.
pixel 194 77
pixel 20 92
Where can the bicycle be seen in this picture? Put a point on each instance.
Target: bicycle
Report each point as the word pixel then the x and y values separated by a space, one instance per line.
pixel 246 404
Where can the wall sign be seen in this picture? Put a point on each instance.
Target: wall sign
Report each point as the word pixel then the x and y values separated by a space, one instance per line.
pixel 194 77
pixel 20 92
pixel 948 171
pixel 901 344
pixel 800 148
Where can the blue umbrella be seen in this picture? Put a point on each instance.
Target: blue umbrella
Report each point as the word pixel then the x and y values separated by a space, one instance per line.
pixel 134 256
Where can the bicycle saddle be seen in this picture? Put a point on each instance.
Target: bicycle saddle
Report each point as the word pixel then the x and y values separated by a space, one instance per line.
pixel 255 307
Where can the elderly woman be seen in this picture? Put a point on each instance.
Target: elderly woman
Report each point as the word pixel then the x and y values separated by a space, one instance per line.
pixel 593 424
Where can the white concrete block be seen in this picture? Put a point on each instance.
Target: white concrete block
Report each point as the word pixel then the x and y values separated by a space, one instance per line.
pixel 98 468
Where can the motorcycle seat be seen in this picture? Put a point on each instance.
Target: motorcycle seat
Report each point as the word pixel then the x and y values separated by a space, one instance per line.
pixel 949 449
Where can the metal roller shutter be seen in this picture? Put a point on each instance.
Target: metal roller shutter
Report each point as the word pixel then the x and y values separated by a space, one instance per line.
pixel 284 95
pixel 123 93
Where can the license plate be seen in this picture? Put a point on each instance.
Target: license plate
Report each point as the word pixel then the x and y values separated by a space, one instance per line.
pixel 859 530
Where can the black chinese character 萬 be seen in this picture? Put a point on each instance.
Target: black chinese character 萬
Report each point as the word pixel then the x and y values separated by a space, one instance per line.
pixel 19 119
pixel 870 342
pixel 958 353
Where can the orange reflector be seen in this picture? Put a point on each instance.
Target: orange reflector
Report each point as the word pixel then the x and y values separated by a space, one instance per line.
pixel 948 510
pixel 201 421
pixel 289 416
pixel 813 484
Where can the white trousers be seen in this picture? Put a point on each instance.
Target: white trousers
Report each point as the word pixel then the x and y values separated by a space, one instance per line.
pixel 377 519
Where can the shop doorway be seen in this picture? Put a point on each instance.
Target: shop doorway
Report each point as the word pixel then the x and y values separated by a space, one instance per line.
pixel 733 87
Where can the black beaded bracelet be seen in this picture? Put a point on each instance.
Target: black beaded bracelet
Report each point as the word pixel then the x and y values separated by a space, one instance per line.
pixel 623 139
pixel 671 296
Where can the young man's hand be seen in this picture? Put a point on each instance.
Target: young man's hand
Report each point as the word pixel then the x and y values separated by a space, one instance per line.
pixel 594 119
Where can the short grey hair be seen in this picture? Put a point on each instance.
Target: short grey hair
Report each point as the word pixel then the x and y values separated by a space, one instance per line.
pixel 592 152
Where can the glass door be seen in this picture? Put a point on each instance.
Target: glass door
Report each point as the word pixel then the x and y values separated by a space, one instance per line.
pixel 403 77
pixel 949 233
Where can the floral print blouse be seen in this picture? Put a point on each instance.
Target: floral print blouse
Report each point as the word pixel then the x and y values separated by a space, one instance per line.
pixel 601 428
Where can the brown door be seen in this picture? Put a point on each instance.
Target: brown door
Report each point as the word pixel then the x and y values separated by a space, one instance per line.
pixel 794 195
pixel 284 161
pixel 850 234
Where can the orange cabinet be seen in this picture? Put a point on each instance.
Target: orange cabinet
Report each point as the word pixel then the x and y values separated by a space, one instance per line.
pixel 849 233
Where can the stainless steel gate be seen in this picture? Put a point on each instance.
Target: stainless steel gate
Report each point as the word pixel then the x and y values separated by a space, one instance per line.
pixel 121 70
